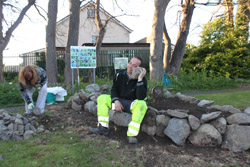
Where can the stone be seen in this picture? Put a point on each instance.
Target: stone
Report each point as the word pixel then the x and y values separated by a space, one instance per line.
pixel 226 108
pixel 206 136
pixel 188 99
pixel 162 119
pixel 220 124
pixel 93 88
pixel 150 130
pixel 105 88
pixel 237 138
pixel 150 117
pixel 194 122
pixel 136 72
pixel 205 103
pixel 210 116
pixel 176 113
pixel 247 110
pixel 160 130
pixel 238 118
pixel 178 130
pixel 121 118
pixel 89 106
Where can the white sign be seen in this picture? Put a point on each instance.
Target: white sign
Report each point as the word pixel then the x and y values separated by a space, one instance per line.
pixel 83 57
pixel 120 63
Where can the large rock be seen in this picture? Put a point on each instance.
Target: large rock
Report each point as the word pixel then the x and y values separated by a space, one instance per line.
pixel 93 88
pixel 247 110
pixel 150 130
pixel 178 130
pixel 220 124
pixel 120 118
pixel 188 99
pixel 89 107
pixel 177 113
pixel 205 103
pixel 150 117
pixel 237 138
pixel 210 116
pixel 194 122
pixel 162 119
pixel 226 108
pixel 238 118
pixel 205 136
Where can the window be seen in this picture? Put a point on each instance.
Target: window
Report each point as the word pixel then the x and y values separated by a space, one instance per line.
pixel 94 38
pixel 91 12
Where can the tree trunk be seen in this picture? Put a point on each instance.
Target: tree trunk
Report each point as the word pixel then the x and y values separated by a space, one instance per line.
pixel 180 45
pixel 73 33
pixel 242 19
pixel 102 30
pixel 229 12
pixel 167 50
pixel 51 63
pixel 5 39
pixel 156 60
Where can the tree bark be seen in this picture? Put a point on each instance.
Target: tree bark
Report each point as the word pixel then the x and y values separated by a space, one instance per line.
pixel 156 60
pixel 242 19
pixel 229 12
pixel 50 52
pixel 180 45
pixel 5 39
pixel 167 50
pixel 73 34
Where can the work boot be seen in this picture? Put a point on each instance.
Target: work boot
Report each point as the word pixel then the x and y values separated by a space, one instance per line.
pixel 132 140
pixel 100 130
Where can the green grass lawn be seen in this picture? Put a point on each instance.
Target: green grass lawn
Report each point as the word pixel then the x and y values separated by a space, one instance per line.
pixel 239 99
pixel 61 149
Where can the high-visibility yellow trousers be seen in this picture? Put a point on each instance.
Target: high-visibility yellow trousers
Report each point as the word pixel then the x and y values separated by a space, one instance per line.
pixel 138 109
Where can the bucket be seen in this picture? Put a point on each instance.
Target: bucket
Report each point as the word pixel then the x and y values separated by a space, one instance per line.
pixel 51 98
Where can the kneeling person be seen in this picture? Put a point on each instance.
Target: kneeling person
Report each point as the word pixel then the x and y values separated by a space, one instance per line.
pixel 127 94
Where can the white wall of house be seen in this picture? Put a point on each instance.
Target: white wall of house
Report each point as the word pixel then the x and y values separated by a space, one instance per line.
pixel 115 32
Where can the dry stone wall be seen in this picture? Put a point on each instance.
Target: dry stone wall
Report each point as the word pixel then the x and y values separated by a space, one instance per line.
pixel 211 130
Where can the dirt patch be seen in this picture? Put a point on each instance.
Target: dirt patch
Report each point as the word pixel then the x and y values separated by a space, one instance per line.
pixel 150 151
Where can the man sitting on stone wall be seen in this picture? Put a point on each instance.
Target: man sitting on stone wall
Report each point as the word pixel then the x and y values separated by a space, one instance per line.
pixel 127 94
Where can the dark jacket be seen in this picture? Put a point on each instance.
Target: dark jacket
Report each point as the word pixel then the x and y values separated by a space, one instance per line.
pixel 126 88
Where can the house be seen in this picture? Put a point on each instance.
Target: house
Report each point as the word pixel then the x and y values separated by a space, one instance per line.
pixel 116 32
pixel 115 42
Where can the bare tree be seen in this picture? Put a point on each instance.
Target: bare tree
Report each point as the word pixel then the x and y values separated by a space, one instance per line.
pixel 179 49
pixel 51 63
pixel 5 39
pixel 156 60
pixel 73 34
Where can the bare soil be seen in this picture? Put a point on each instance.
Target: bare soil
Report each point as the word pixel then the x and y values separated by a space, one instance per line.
pixel 151 150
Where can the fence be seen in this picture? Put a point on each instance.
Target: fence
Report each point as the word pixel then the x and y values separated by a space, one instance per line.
pixel 105 61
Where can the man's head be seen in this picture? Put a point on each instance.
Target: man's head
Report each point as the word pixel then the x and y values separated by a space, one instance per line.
pixel 134 62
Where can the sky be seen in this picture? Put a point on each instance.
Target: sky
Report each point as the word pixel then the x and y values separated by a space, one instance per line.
pixel 30 34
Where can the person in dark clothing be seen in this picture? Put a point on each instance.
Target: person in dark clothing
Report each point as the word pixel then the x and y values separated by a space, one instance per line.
pixel 127 95
pixel 30 77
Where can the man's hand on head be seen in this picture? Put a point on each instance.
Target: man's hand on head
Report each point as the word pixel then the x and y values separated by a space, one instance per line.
pixel 142 74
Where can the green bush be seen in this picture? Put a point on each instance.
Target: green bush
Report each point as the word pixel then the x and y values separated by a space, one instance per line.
pixel 193 81
pixel 221 52
pixel 11 96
